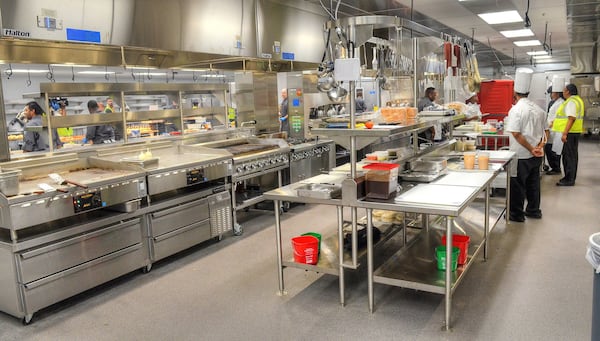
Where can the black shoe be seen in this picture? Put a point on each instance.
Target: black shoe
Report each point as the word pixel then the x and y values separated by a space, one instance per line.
pixel 517 219
pixel 564 183
pixel 553 172
pixel 546 168
pixel 534 215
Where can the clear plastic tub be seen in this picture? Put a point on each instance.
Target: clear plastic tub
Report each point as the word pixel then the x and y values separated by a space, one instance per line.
pixel 381 179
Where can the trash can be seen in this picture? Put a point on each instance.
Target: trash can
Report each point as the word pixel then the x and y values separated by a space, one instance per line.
pixel 593 256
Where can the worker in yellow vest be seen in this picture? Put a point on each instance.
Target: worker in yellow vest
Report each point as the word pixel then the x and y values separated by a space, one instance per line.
pixel 569 122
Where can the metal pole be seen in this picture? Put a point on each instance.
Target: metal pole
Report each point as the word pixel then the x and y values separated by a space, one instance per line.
pixel 370 257
pixel 507 168
pixel 281 291
pixel 340 217
pixel 486 229
pixel 448 295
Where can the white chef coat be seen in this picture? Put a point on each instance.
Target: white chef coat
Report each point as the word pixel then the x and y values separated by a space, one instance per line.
pixel 555 136
pixel 529 119
pixel 473 110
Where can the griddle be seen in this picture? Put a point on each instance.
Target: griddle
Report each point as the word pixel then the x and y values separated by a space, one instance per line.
pixel 249 148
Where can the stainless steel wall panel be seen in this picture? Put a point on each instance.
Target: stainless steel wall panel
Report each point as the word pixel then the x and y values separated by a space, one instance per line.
pixel 256 98
pixel 298 29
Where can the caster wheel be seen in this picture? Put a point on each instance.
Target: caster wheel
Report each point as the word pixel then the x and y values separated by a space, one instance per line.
pixel 219 238
pixel 286 206
pixel 27 319
pixel 237 230
pixel 147 269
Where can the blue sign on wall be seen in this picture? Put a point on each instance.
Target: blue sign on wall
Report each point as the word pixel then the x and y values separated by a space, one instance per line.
pixel 83 35
pixel 287 56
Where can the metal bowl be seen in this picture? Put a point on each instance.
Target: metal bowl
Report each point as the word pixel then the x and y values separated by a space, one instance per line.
pixel 337 94
pixel 325 83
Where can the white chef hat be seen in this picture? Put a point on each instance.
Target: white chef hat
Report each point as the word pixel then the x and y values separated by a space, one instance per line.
pixel 469 95
pixel 558 84
pixel 523 80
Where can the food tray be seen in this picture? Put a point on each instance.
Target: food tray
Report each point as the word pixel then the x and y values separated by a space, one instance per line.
pixel 421 176
pixel 319 191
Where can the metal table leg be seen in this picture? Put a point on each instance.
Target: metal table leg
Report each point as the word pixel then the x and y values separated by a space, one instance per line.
pixel 340 217
pixel 486 224
pixel 507 169
pixel 370 257
pixel 281 291
pixel 448 296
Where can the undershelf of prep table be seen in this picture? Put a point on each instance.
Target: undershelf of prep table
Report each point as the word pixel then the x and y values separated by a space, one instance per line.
pixel 415 266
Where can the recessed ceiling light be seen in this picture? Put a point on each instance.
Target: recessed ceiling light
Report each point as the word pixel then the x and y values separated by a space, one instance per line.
pixel 528 43
pixel 517 33
pixel 542 57
pixel 28 71
pixel 142 67
pixel 500 17
pixel 94 72
pixel 141 74
pixel 71 65
pixel 537 53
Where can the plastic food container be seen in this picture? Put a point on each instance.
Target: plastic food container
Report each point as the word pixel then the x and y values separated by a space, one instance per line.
pixel 381 180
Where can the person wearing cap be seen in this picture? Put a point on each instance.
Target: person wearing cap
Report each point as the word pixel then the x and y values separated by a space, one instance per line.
pixel 473 111
pixel 284 123
pixel 556 100
pixel 428 103
pixel 98 134
pixel 526 127
pixel 569 123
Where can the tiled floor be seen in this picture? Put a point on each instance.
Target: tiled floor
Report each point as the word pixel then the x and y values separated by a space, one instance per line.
pixel 536 285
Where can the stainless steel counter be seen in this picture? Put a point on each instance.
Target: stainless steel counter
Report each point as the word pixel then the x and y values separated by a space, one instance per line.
pixel 453 196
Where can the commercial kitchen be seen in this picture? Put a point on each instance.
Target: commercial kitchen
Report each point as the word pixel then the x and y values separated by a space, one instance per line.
pixel 245 192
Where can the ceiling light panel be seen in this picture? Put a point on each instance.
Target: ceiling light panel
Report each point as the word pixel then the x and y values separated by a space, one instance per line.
pixel 537 53
pixel 542 57
pixel 517 33
pixel 95 72
pixel 501 17
pixel 522 43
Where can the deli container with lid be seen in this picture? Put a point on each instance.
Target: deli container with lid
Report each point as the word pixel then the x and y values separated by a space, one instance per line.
pixel 381 180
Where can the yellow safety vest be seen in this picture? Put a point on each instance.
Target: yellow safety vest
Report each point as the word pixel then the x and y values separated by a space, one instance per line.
pixel 560 122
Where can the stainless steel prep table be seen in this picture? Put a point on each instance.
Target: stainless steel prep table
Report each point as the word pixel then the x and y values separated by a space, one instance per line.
pixel 451 205
pixel 329 262
pixel 451 210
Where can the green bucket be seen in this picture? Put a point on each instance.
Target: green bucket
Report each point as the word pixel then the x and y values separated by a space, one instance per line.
pixel 316 235
pixel 440 253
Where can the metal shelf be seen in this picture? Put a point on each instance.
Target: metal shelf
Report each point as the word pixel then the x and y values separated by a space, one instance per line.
pixel 328 257
pixel 415 266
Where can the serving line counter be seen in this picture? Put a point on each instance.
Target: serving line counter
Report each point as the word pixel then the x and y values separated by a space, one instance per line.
pixel 453 200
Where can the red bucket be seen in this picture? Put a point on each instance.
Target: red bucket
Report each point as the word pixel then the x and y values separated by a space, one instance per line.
pixel 462 242
pixel 306 249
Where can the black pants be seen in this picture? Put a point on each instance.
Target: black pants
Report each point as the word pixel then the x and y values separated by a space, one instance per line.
pixel 570 157
pixel 526 185
pixel 552 157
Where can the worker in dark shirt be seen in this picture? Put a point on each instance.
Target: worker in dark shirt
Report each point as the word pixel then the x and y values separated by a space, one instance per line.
pixel 98 134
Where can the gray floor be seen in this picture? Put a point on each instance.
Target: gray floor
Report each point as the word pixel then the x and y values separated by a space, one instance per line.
pixel 535 286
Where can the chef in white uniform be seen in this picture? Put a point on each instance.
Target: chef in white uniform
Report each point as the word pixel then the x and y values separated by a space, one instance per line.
pixel 526 127
pixel 553 151
pixel 473 111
